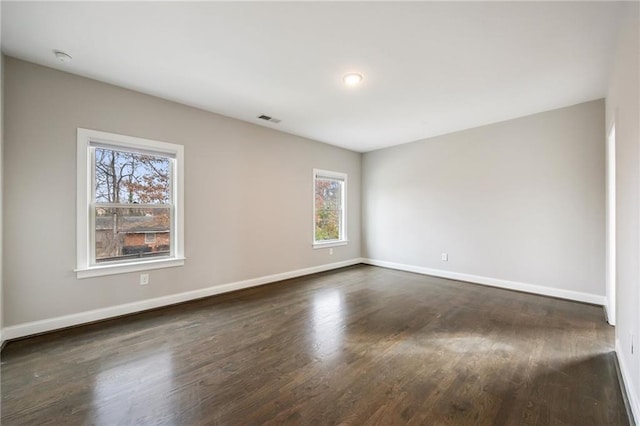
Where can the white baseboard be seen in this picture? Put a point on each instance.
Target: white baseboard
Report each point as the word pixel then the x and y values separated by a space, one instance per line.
pixel 493 282
pixel 634 401
pixel 610 319
pixel 35 327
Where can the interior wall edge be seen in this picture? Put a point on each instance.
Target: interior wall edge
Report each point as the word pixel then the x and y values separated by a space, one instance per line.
pixel 51 324
pixel 494 282
pixel 627 383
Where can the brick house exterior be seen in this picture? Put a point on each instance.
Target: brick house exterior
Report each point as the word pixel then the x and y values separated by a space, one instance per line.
pixel 131 236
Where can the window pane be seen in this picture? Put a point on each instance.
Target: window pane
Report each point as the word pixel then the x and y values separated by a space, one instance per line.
pixel 328 209
pixel 121 233
pixel 129 177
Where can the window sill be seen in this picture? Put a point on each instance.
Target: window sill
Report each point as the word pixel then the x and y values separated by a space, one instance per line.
pixel 100 270
pixel 328 244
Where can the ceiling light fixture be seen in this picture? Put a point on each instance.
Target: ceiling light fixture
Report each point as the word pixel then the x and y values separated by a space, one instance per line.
pixel 61 56
pixel 352 79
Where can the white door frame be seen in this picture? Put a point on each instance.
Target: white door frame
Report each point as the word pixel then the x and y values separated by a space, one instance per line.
pixel 611 225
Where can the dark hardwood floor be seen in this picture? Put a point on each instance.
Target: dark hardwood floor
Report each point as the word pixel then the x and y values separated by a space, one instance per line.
pixel 361 345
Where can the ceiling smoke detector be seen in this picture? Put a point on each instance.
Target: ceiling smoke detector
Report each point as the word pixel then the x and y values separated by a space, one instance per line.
pixel 62 56
pixel 268 118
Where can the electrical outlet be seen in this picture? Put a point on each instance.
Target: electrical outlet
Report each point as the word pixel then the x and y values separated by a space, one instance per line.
pixel 444 257
pixel 330 251
pixel 144 279
pixel 631 343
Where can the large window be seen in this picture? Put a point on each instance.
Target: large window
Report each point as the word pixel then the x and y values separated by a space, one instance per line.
pixel 329 208
pixel 129 204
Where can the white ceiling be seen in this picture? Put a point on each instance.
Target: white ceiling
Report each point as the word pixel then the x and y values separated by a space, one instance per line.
pixel 430 68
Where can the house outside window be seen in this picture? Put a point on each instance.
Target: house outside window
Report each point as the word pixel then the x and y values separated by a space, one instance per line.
pixel 150 237
pixel 130 209
pixel 329 208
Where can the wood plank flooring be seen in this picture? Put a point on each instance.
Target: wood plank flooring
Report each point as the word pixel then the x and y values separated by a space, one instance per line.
pixel 361 346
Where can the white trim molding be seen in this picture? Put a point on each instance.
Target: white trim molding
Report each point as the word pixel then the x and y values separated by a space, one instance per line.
pixel 607 317
pixel 42 326
pixel 633 398
pixel 147 265
pixel 330 244
pixel 36 327
pixel 493 282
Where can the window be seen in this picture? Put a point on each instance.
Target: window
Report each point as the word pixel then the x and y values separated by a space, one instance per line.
pixel 130 208
pixel 329 208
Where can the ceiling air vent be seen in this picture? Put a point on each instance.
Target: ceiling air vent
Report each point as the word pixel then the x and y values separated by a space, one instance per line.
pixel 267 118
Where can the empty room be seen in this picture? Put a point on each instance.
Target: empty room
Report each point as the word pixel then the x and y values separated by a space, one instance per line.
pixel 310 213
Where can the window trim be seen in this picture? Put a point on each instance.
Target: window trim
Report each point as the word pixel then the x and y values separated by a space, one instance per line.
pixel 85 236
pixel 343 220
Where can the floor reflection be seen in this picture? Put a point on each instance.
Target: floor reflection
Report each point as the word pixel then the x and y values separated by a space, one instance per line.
pixel 462 343
pixel 133 387
pixel 328 323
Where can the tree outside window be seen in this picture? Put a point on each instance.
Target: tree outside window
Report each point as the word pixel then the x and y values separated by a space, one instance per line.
pixel 329 217
pixel 132 199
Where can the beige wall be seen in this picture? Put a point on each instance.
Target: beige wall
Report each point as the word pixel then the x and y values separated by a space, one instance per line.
pixel 622 109
pixel 521 201
pixel 248 195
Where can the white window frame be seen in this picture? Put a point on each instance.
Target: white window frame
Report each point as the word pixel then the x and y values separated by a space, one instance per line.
pixel 343 220
pixel 86 266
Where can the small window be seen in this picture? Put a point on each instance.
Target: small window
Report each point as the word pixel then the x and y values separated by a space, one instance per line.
pixel 129 191
pixel 329 208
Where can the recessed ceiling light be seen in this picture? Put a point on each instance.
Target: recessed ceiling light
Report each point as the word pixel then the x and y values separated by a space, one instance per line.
pixel 61 56
pixel 352 78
